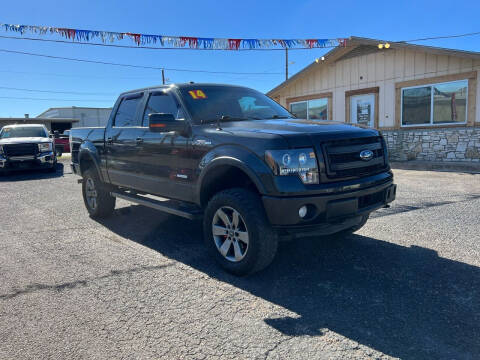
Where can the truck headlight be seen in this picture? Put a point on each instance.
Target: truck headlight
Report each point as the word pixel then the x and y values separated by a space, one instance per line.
pixel 45 147
pixel 300 162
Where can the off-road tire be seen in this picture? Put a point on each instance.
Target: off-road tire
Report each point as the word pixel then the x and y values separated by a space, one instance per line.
pixel 105 203
pixel 262 244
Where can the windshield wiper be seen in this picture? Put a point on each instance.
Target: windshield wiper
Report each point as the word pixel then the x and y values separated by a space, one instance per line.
pixel 280 117
pixel 229 118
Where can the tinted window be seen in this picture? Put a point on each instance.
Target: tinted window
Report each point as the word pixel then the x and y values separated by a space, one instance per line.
pixel 450 102
pixel 211 102
pixel 126 112
pixel 416 106
pixel 27 131
pixel 299 109
pixel 162 103
pixel 318 109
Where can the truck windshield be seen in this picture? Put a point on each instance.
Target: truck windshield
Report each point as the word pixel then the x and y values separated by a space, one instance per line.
pixel 210 103
pixel 27 131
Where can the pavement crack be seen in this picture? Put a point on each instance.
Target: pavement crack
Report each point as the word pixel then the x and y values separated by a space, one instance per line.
pixel 77 283
pixel 274 347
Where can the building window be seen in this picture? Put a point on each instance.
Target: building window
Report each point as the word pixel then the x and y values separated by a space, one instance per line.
pixel 435 104
pixel 315 109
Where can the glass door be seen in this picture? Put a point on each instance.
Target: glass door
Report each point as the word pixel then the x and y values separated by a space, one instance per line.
pixel 362 109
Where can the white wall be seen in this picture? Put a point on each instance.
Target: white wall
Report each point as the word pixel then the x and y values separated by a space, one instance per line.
pixel 382 69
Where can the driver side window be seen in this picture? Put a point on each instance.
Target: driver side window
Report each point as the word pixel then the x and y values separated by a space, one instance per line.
pixel 160 102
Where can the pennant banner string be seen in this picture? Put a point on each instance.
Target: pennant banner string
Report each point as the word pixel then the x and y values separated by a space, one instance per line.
pixel 174 41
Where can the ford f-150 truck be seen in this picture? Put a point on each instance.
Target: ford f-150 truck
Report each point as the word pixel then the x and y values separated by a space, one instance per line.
pixel 236 159
pixel 26 146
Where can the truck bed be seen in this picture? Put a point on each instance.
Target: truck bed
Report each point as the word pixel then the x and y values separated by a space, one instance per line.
pixel 96 135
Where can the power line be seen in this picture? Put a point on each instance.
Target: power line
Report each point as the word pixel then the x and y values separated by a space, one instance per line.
pixel 77 76
pixel 56 92
pixel 50 99
pixel 136 66
pixel 441 37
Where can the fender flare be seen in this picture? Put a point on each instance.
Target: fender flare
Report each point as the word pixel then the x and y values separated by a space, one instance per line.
pixel 242 159
pixel 88 151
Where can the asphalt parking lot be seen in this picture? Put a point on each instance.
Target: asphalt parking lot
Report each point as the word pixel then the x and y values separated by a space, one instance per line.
pixel 140 285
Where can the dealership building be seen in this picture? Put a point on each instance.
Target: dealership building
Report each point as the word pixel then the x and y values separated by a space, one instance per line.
pixel 423 99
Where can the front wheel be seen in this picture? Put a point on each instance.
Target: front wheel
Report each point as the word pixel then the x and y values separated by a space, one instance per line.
pixel 96 197
pixel 237 232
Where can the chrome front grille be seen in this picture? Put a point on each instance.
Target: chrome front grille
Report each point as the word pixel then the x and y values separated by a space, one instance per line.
pixel 343 157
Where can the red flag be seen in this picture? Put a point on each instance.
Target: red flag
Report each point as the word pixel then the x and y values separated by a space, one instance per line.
pixel 192 41
pixel 311 42
pixel 234 44
pixel 136 37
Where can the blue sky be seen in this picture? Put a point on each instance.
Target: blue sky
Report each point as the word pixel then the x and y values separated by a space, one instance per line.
pixel 225 19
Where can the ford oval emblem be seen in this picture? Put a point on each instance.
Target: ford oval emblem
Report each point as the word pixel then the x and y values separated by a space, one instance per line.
pixel 366 155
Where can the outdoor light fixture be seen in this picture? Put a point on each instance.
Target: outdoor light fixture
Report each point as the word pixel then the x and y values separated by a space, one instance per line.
pixel 380 46
pixel 386 46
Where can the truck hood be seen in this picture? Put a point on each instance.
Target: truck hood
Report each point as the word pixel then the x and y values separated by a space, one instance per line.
pixel 25 140
pixel 299 132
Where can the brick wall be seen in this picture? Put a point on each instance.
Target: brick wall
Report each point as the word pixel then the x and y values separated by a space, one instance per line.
pixel 447 144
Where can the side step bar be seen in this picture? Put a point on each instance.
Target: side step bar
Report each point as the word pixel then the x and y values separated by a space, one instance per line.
pixel 168 206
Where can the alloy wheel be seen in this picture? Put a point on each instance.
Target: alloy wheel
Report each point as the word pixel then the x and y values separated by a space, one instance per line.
pixel 91 193
pixel 230 234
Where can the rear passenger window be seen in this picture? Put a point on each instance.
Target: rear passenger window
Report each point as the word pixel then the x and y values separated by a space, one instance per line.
pixel 127 111
pixel 162 103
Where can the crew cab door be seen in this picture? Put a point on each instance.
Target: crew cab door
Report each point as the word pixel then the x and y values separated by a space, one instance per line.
pixel 162 157
pixel 121 141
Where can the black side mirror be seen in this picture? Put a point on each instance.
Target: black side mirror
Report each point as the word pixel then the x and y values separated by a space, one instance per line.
pixel 160 122
pixel 56 134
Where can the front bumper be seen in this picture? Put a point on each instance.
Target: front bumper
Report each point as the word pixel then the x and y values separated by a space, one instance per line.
pixel 328 213
pixel 40 161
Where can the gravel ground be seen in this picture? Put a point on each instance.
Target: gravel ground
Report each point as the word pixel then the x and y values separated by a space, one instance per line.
pixel 140 285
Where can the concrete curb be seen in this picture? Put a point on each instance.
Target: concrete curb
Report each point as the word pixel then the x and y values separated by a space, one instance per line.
pixel 437 166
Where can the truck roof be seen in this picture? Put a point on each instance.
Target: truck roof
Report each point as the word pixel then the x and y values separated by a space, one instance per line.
pixel 178 86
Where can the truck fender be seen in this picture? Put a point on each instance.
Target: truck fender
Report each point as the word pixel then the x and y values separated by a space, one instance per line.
pixel 88 152
pixel 243 159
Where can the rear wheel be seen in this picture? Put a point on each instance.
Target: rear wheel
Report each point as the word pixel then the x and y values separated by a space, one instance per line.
pixel 237 232
pixel 96 197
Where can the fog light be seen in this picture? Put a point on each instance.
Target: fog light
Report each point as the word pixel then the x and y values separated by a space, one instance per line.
pixel 302 212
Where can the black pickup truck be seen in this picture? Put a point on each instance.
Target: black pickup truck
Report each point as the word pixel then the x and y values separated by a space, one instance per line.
pixel 236 159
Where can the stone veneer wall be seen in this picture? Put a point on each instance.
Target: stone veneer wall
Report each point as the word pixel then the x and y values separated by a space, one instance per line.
pixel 445 144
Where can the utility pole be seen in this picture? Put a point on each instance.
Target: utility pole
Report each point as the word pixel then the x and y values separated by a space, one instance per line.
pixel 286 64
pixel 163 76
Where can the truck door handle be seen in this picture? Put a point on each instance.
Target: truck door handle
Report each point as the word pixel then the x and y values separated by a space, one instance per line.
pixel 109 140
pixel 139 140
